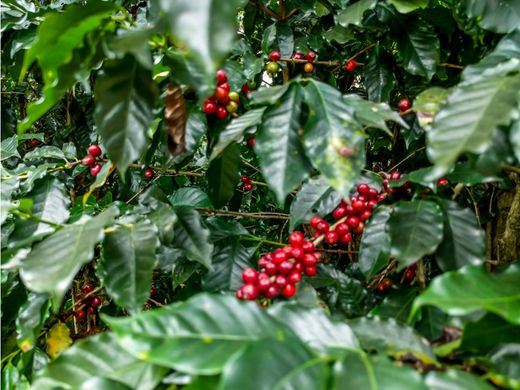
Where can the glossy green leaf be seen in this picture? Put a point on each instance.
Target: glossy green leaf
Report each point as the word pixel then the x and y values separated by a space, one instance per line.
pixel 269 96
pixel 415 230
pixel 30 320
pixel 230 258
pixel 463 240
pixel 189 196
pixel 12 378
pixel 455 380
pixel 125 96
pixel 358 370
pixel 396 304
pixel 406 6
pixel 97 357
pixel 328 130
pixel 432 323
pixel 99 182
pixel 315 328
pixel 374 250
pixel 127 262
pixel 285 39
pixel 222 175
pixel 192 237
pixel 390 337
pixel 236 128
pixel 471 288
pixel 9 148
pixel 49 203
pixel 274 365
pixel 428 103
pixel 500 16
pixel 379 79
pixel 60 256
pixel 198 336
pixel 467 174
pixel 467 121
pixel 50 152
pixel 353 14
pixel 316 197
pixel 223 228
pixel 481 336
pixel 283 162
pixel 505 360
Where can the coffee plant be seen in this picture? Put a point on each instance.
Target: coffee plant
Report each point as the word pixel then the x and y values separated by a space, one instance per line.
pixel 263 194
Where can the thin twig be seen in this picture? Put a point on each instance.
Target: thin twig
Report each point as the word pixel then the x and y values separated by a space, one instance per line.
pixel 266 10
pixel 226 213
pixel 143 189
pixel 407 157
pixel 297 61
pixel 365 49
pixel 454 66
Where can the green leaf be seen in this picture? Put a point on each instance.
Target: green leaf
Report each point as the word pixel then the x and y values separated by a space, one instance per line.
pixel 330 128
pixel 505 359
pixel 127 263
pixel 358 370
pixel 195 128
pixel 353 14
pixel 222 175
pixel 268 95
pixel 390 337
pixel 30 320
pixel 49 203
pixel 97 357
pixel 9 148
pixel 467 122
pixel 455 380
pixel 99 182
pixel 59 35
pixel 428 103
pixel 470 289
pixel 207 28
pixel 481 336
pixel 415 230
pixel 432 322
pixel 500 16
pixel 467 174
pixel 230 258
pixel 234 131
pixel 514 138
pixel 278 365
pixel 60 256
pixel 51 152
pixel 285 39
pixel 374 250
pixel 463 241
pixel 379 79
pixel 396 304
pixel 222 228
pixel 198 336
pixel 373 114
pixel 316 197
pixel 192 237
pixel 125 97
pixel 268 38
pixel 315 328
pixel 283 162
pixel 12 378
pixel 189 196
pixel 406 6
pixel 419 47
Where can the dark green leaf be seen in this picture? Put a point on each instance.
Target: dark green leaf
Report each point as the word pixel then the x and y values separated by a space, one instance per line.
pixel 406 6
pixel 353 14
pixel 222 175
pixel 455 380
pixel 195 128
pixel 471 288
pixel 505 359
pixel 192 237
pixel 432 323
pixel 51 152
pixel 283 162
pixel 374 250
pixel 316 197
pixel 467 174
pixel 60 256
pixel 268 96
pixel 127 262
pixel 12 378
pixel 222 228
pixel 379 79
pixel 329 129
pixel 198 336
pixel 397 304
pixel 463 241
pixel 31 317
pixel 189 196
pixel 230 258
pixel 97 357
pixel 285 39
pixel 415 230
pixel 125 96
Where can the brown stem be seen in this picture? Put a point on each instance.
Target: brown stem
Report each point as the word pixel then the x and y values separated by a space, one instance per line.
pixel 296 61
pixel 226 213
pixel 282 9
pixel 454 66
pixel 265 10
pixel 365 49
pixel 511 168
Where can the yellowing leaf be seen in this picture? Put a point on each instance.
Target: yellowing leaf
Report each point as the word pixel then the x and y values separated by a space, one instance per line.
pixel 58 339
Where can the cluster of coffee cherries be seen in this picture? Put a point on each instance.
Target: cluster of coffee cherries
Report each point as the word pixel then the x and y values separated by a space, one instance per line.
pixel 92 302
pixel 248 184
pixel 223 102
pixel 280 270
pixel 275 56
pixel 94 151
pixel 408 277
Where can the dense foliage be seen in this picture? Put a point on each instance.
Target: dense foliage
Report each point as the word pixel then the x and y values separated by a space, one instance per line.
pixel 349 167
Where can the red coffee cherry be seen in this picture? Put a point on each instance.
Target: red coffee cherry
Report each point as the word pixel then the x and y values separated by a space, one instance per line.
pixel 308 247
pixel 310 56
pixel 80 314
pixel 94 171
pixel 384 285
pixel 222 113
pixel 289 290
pixel 221 76
pixel 298 56
pixel 274 55
pixel 310 271
pixel 245 179
pixel 88 160
pixel 87 288
pixel 94 150
pixel 210 107
pixel 91 311
pixel 331 237
pixel 96 301
pixel 404 104
pixel 296 239
pixel 250 292
pixel 250 275
pixel 350 65
pixel 149 173
pixel 442 182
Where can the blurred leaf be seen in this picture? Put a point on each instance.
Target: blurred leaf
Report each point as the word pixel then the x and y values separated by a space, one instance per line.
pixel 505 360
pixel 100 357
pixel 189 196
pixel 221 228
pixel 12 378
pixel 127 262
pixel 222 175
pixel 9 148
pixel 192 237
pixel 198 336
pixel 30 320
pixel 374 250
pixel 500 16
pixel 125 96
pixel 396 304
pixel 269 96
pixel 471 288
pixel 316 197
pixel 463 240
pixel 428 103
pixel 100 180
pixel 230 258
pixel 415 230
pixel 432 322
pixel 455 380
pixel 467 174
pixel 60 256
pixel 283 162
pixel 406 6
pixel 57 339
pixel 353 14
pixel 329 129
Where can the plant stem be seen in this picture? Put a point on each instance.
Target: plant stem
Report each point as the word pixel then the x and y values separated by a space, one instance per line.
pixel 226 213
